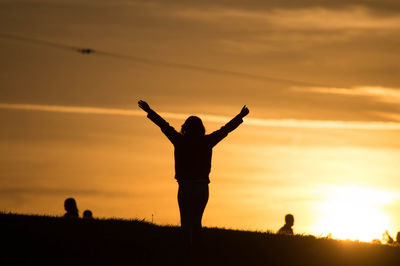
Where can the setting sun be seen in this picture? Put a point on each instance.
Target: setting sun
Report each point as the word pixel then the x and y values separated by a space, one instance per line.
pixel 353 212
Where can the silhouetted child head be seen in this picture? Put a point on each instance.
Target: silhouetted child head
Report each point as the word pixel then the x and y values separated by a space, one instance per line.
pixel 193 127
pixel 289 219
pixel 287 228
pixel 70 208
pixel 87 214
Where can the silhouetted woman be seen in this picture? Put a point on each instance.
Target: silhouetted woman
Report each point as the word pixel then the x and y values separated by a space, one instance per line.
pixel 70 208
pixel 193 150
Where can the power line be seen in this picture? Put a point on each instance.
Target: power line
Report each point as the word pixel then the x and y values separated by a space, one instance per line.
pixel 36 41
pixel 158 62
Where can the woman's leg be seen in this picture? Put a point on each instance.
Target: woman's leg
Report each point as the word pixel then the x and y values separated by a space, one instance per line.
pixel 186 213
pixel 192 200
pixel 199 207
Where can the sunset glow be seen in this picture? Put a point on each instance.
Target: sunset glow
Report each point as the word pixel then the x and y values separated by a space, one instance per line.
pixel 321 81
pixel 352 212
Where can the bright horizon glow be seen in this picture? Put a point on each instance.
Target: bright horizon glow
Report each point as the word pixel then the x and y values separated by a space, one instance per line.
pixel 292 123
pixel 353 212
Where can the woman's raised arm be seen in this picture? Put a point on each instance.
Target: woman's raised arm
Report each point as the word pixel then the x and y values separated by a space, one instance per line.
pixel 221 133
pixel 145 106
pixel 168 130
pixel 245 111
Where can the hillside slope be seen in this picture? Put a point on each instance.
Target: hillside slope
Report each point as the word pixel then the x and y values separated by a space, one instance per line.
pixel 42 240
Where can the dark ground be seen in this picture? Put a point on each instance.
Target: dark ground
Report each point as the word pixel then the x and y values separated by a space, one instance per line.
pixel 42 240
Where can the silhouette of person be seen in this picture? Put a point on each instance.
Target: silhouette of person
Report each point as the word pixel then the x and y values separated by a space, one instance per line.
pixel 390 240
pixel 71 208
pixel 388 237
pixel 87 214
pixel 193 151
pixel 287 228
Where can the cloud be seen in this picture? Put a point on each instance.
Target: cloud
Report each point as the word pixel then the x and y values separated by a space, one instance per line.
pixel 290 123
pixel 389 6
pixel 307 19
pixel 266 30
pixel 388 115
pixel 71 109
pixel 321 43
pixel 13 191
pixel 381 94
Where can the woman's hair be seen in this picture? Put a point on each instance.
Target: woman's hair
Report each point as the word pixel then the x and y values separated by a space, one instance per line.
pixel 193 126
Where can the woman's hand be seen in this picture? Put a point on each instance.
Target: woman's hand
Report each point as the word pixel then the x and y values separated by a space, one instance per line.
pixel 245 111
pixel 145 106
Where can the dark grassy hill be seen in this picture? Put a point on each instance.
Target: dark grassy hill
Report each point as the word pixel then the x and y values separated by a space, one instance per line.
pixel 41 240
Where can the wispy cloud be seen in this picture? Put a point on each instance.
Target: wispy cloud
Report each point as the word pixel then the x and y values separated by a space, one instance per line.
pixel 382 94
pixel 71 109
pixel 56 191
pixel 305 19
pixel 291 123
pixel 391 116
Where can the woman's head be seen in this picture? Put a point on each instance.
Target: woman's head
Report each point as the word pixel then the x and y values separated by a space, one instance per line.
pixel 193 126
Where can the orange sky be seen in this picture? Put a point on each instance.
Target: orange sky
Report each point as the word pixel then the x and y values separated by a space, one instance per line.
pixel 300 146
